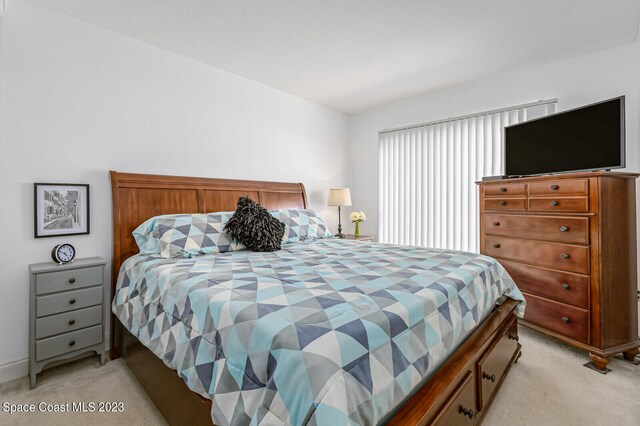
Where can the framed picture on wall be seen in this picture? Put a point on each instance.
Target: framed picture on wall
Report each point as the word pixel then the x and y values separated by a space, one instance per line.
pixel 61 209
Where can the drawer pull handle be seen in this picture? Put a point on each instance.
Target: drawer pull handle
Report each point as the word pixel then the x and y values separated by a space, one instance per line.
pixel 564 228
pixel 554 203
pixel 564 256
pixel 71 343
pixel 496 245
pixel 72 280
pixel 564 286
pixel 503 189
pixel 496 223
pixel 491 378
pixel 503 203
pixel 514 337
pixel 467 412
pixel 72 301
pixel 554 187
pixel 72 321
pixel 565 320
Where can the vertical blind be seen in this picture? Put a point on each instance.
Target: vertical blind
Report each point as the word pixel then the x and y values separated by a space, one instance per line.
pixel 427 174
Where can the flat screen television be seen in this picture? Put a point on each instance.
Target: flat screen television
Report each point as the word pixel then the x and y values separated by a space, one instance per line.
pixel 585 138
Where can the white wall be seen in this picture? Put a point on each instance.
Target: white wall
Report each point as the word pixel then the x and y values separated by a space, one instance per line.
pixel 576 81
pixel 77 100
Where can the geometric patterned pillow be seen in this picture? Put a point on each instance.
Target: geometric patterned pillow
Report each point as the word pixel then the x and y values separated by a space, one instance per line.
pixel 301 224
pixel 186 235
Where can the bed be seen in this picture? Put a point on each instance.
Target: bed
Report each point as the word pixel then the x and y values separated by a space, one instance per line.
pixel 322 331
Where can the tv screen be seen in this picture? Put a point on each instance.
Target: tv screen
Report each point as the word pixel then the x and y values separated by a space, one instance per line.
pixel 587 138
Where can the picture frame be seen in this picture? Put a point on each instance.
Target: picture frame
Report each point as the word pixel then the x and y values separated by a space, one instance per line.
pixel 61 209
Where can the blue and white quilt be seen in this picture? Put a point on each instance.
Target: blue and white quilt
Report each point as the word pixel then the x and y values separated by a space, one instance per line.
pixel 326 332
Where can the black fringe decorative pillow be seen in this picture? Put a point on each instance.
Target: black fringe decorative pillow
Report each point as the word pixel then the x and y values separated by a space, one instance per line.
pixel 255 227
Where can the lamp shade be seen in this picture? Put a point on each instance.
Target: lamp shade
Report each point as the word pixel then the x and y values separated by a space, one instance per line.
pixel 339 197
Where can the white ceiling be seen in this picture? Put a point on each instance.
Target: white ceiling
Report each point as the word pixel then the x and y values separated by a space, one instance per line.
pixel 353 55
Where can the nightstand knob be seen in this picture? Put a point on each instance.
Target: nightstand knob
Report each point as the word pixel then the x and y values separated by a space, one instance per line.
pixel 554 203
pixel 555 187
pixel 72 301
pixel 564 320
pixel 496 245
pixel 496 223
pixel 72 321
pixel 503 189
pixel 503 203
pixel 72 280
pixel 71 343
pixel 564 228
pixel 564 286
pixel 564 256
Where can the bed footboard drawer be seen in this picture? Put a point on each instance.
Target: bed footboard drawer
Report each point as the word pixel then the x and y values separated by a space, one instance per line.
pixel 495 362
pixel 461 408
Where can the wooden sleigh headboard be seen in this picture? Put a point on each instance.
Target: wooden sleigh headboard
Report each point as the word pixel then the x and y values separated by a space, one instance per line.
pixel 137 197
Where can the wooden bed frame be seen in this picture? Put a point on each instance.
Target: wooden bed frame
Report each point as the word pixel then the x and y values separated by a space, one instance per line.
pixel 459 392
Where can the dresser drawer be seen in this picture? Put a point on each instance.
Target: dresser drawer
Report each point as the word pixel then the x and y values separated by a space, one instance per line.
pixel 68 321
pixel 570 230
pixel 68 280
pixel 68 301
pixel 505 189
pixel 559 204
pixel 68 342
pixel 512 204
pixel 460 409
pixel 554 255
pixel 494 363
pixel 561 318
pixel 561 286
pixel 559 187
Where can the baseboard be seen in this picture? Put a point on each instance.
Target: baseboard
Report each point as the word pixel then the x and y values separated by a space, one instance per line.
pixel 14 370
pixel 20 368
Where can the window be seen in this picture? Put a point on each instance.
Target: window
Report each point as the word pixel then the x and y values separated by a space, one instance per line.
pixel 427 191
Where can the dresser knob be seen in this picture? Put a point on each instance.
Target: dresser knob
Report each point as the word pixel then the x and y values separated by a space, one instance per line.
pixel 514 337
pixel 491 378
pixel 72 280
pixel 555 187
pixel 503 203
pixel 565 320
pixel 564 286
pixel 564 228
pixel 72 301
pixel 503 189
pixel 71 343
pixel 496 245
pixel 496 223
pixel 467 412
pixel 554 203
pixel 72 321
pixel 564 256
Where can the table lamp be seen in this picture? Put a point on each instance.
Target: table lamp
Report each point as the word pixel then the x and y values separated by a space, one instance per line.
pixel 339 197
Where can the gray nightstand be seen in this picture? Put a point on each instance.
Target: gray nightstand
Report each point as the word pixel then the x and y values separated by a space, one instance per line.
pixel 66 312
pixel 360 238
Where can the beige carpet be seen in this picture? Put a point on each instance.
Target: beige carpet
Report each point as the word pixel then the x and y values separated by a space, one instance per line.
pixel 549 386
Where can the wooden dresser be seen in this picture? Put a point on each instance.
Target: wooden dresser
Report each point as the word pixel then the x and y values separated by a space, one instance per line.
pixel 569 242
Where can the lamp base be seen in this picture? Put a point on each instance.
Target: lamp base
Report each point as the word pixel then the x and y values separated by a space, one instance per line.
pixel 340 235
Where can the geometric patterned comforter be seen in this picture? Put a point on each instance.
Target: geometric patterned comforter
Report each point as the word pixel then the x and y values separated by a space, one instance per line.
pixel 321 332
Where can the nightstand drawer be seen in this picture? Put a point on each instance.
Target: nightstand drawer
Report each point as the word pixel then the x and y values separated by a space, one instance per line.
pixel 68 342
pixel 69 321
pixel 68 301
pixel 68 280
